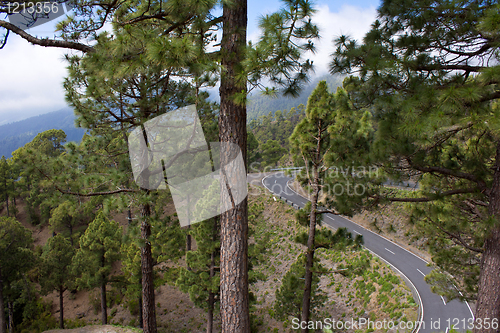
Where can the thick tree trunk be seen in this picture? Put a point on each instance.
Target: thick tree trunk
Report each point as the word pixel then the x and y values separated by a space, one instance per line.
pixel 235 313
pixel 488 296
pixel 148 291
pixel 306 299
pixel 104 306
pixel 3 324
pixel 61 308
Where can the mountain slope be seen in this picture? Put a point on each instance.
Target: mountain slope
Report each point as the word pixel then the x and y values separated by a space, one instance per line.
pixel 261 105
pixel 15 135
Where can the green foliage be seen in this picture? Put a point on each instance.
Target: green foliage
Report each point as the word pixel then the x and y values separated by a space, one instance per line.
pixel 55 271
pixel 325 238
pixel 16 255
pixel 197 280
pixel 289 295
pixel 272 152
pixel 99 249
pixel 271 133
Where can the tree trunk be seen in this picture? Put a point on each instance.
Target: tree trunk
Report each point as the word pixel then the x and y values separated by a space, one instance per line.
pixel 129 215
pixel 7 203
pixel 11 316
pixel 3 326
pixel 141 323
pixel 70 227
pixel 148 291
pixel 211 295
pixel 306 299
pixel 210 313
pixel 104 306
pixel 488 295
pixel 61 308
pixel 235 313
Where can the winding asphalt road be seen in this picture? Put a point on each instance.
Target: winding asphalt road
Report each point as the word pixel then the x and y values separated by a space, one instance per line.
pixel 436 310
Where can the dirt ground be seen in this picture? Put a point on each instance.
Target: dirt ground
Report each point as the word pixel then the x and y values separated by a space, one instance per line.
pixel 97 329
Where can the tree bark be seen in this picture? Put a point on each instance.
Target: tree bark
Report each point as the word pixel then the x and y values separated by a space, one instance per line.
pixel 3 324
pixel 235 314
pixel 306 299
pixel 141 323
pixel 61 307
pixel 488 296
pixel 104 307
pixel 148 291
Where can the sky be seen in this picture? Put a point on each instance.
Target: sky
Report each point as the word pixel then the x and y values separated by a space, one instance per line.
pixel 31 77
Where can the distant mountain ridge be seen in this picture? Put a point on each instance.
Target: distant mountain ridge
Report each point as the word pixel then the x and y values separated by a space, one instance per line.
pixel 261 105
pixel 17 134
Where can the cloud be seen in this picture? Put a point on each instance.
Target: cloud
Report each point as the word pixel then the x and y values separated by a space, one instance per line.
pixel 31 79
pixel 348 20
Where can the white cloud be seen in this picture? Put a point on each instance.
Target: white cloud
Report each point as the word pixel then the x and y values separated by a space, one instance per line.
pixel 31 79
pixel 347 20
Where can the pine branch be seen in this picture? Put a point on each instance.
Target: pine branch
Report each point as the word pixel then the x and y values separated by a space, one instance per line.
pixel 457 239
pixel 428 199
pixel 46 42
pixel 448 172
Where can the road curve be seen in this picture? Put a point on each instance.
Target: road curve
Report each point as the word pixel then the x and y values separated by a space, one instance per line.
pixel 437 312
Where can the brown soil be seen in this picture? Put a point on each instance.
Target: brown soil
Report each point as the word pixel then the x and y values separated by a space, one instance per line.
pixel 97 329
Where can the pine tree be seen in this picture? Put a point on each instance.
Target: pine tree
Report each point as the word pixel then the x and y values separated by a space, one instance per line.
pixel 290 295
pixel 56 269
pixel 319 140
pixel 65 216
pixel 5 182
pixel 272 152
pixel 201 280
pixel 16 257
pixel 99 249
pixel 430 73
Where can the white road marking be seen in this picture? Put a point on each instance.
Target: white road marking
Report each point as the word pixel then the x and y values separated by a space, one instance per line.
pixel 357 232
pixel 421 272
pixel 390 251
pixel 443 300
